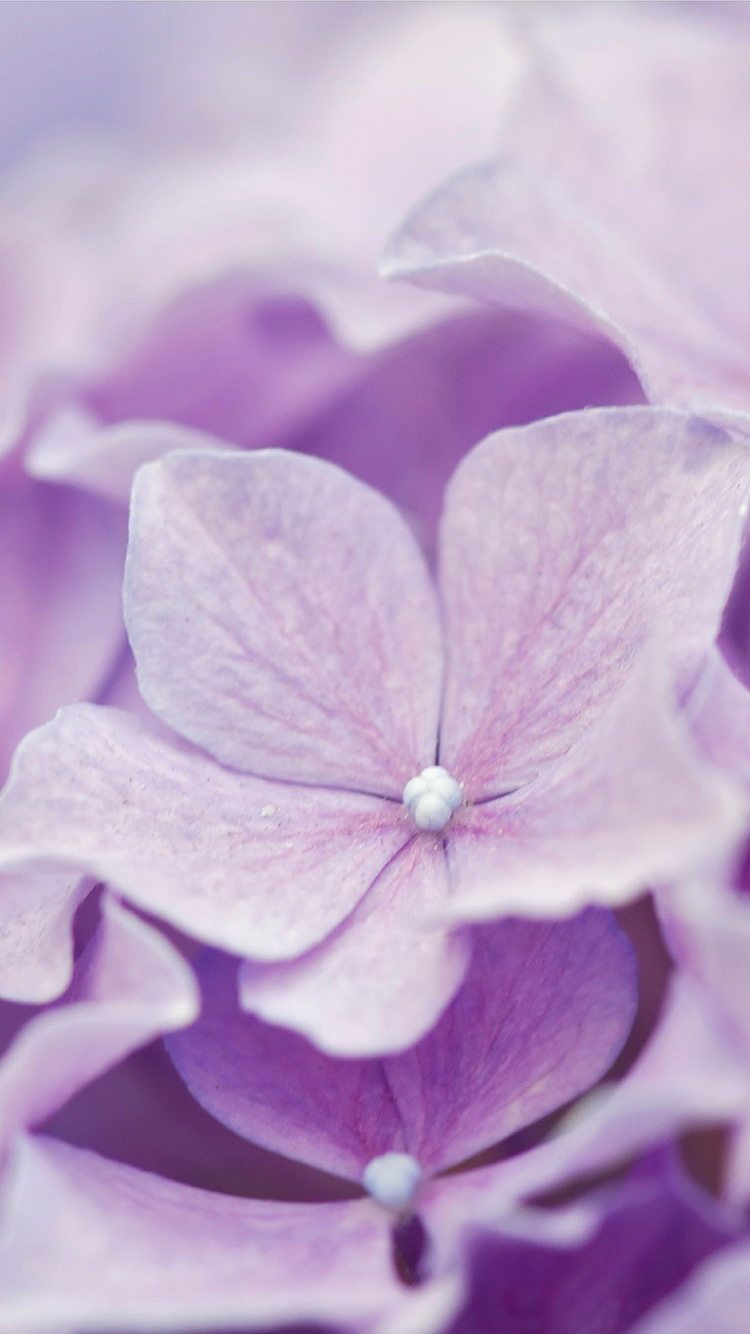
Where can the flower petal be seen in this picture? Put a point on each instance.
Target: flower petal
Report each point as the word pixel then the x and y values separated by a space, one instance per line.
pixel 116 1248
pixel 379 982
pixel 715 1298
pixel 73 446
pixel 282 617
pixel 60 620
pixel 130 986
pixel 567 544
pixel 632 804
pixel 255 867
pixel 509 236
pixel 541 1015
pixel 718 711
pixel 37 904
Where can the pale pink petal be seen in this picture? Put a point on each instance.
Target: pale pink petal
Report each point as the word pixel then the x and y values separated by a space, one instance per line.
pixel 37 903
pixel 383 978
pixel 541 1015
pixel 114 1248
pixel 632 804
pixel 565 545
pixel 282 617
pixel 255 867
pixel 130 987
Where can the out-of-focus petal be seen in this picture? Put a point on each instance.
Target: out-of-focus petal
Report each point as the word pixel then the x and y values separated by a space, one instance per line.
pixel 61 561
pixel 541 1015
pixel 565 545
pixel 636 114
pixel 715 1297
pixel 116 1248
pixel 633 803
pixel 653 1228
pixel 421 403
pixel 718 711
pixel 74 447
pixel 253 866
pixel 130 986
pixel 503 235
pixel 282 617
pixel 379 982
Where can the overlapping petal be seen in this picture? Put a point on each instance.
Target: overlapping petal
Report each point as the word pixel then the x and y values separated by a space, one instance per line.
pixel 296 634
pixel 565 545
pixel 381 980
pixel 115 1248
pixel 226 857
pixel 540 1016
pixel 130 987
pixel 633 803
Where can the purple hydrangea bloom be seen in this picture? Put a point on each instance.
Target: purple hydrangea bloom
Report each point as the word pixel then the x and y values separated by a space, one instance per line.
pixel 283 619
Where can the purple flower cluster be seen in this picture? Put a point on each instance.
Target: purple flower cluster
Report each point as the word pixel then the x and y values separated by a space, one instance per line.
pixel 374 685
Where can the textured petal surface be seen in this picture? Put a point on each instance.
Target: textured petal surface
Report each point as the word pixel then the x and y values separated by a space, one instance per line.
pixel 565 545
pixel 633 803
pixel 541 1015
pixel 37 903
pixel 119 1249
pixel 381 980
pixel 60 621
pixel 252 866
pixel 282 617
pixel 130 986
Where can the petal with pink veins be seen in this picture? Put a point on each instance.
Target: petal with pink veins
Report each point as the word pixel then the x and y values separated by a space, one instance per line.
pixel 282 617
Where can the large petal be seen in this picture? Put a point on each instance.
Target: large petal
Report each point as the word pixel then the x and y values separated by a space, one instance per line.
pixel 114 1248
pixel 632 804
pixel 566 544
pixel 541 1015
pixel 255 867
pixel 383 978
pixel 130 986
pixel 282 617
pixel 507 236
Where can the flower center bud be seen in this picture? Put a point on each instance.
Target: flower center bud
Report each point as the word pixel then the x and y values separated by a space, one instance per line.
pixel 432 797
pixel 392 1179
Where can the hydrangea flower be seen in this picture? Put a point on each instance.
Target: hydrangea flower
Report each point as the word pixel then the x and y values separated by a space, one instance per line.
pixel 284 621
pixel 540 1015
